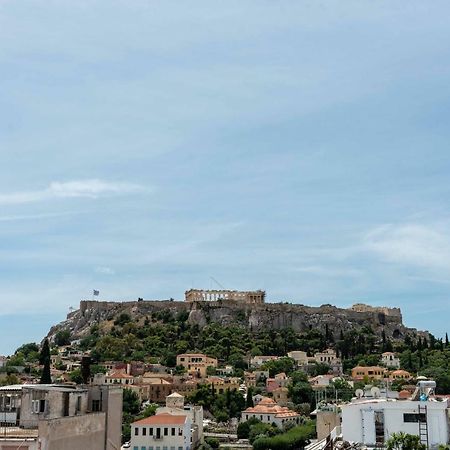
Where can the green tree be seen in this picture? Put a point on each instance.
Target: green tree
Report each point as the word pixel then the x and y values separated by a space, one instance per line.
pixel 62 337
pixel 44 359
pixel 404 441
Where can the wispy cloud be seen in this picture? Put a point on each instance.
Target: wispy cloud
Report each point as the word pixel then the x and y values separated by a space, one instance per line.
pixel 425 246
pixel 105 270
pixel 91 188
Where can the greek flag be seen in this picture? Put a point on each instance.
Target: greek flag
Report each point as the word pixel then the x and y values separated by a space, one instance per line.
pixel 96 292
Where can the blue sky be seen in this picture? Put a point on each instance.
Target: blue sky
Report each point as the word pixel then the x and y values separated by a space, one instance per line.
pixel 300 147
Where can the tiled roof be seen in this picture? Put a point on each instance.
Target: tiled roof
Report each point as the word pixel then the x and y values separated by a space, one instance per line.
pixel 162 419
pixel 268 406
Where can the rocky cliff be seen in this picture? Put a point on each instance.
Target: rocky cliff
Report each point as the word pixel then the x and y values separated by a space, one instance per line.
pixel 255 317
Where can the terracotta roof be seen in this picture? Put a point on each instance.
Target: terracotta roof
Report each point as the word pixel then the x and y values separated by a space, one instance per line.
pixel 268 406
pixel 118 375
pixel 162 419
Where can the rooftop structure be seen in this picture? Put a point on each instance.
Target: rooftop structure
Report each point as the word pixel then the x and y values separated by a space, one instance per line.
pixel 246 297
pixel 48 417
pixel 268 411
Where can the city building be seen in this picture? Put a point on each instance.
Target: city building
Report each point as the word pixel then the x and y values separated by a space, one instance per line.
pixel 360 373
pixel 371 421
pixel 300 357
pixel 329 357
pixel 268 411
pixel 258 361
pixel 388 359
pixel 280 380
pixel 163 431
pixel 175 405
pixel 52 417
pixel 196 363
pixel 400 375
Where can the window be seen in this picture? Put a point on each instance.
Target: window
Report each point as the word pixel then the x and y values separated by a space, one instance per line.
pixel 180 431
pixel 96 406
pixel 144 432
pixel 150 432
pixel 166 432
pixel 136 431
pixel 173 431
pixel 414 417
pixel 135 447
pixel 143 447
pixel 165 447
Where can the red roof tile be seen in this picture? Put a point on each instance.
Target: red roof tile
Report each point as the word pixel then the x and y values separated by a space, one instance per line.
pixel 162 419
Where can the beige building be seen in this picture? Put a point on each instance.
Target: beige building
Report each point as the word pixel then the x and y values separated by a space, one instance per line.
pixel 247 297
pixel 222 385
pixel 400 375
pixel 300 357
pixel 359 373
pixel 50 417
pixel 258 361
pixel 196 363
pixel 267 411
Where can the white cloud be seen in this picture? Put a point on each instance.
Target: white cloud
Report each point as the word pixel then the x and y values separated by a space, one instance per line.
pixel 91 188
pixel 105 270
pixel 411 244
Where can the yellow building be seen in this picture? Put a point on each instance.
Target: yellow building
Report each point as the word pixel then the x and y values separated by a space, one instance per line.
pixel 196 363
pixel 359 373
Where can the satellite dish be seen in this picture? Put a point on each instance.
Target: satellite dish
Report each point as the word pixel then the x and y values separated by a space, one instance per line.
pixel 375 392
pixel 359 393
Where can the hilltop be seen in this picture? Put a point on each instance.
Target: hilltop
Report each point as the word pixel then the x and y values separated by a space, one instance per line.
pixel 253 316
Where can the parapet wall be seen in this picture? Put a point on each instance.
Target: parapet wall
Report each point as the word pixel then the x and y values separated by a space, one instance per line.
pixel 391 312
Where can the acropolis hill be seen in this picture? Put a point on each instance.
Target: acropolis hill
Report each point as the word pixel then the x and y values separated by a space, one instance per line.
pixel 248 309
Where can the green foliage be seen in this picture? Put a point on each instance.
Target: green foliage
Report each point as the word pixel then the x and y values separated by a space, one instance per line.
pixel 130 409
pixel 10 378
pixel 243 430
pixel 45 360
pixel 76 376
pixel 62 337
pixel 213 442
pixel 292 439
pixel 404 441
pixel 222 406
pixel 122 319
pixel 300 390
pixel 284 364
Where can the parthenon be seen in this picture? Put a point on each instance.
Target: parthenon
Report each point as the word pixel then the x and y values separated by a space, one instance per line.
pixel 248 297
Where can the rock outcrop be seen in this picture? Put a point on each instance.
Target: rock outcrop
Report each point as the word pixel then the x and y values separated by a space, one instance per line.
pixel 255 317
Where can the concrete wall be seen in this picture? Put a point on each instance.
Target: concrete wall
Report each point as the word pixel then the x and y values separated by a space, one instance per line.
pixel 326 422
pixel 358 420
pixel 73 433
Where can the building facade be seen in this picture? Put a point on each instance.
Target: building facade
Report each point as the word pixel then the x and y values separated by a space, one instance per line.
pixel 162 431
pixel 196 363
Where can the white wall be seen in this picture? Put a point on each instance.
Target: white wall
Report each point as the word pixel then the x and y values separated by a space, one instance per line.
pixel 358 420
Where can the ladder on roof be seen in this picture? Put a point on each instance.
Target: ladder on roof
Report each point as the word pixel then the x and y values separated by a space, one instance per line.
pixel 423 424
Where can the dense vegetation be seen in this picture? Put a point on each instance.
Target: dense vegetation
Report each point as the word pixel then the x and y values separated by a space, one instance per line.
pixel 265 436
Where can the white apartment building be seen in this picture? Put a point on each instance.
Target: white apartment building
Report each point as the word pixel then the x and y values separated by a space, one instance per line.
pixel 372 422
pixel 388 359
pixel 162 432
